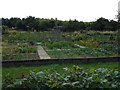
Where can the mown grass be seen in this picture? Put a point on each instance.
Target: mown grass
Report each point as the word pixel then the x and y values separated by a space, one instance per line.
pixel 18 72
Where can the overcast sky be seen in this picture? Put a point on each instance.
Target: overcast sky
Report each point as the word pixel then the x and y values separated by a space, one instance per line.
pixel 82 10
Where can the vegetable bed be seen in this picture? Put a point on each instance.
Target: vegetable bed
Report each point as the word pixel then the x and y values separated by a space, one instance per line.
pixel 72 78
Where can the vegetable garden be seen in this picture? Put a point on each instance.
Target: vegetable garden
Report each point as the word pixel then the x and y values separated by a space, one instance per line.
pixel 22 45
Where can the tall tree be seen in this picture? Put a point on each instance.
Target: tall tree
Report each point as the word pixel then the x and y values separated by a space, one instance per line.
pixel 101 24
pixel 29 22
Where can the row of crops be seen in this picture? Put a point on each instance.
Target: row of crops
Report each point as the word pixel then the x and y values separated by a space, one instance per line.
pixel 21 45
pixel 74 78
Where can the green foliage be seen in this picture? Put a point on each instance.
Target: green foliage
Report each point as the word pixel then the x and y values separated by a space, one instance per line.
pixel 31 23
pixel 32 37
pixel 99 36
pixel 59 45
pixel 4 27
pixel 76 77
pixel 103 24
pixel 51 69
pixel 110 47
pixel 81 52
pixel 78 37
pixel 88 43
pixel 24 48
pixel 51 40
pixel 12 57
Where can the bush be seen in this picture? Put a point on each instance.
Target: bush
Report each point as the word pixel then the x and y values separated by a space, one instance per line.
pixel 75 78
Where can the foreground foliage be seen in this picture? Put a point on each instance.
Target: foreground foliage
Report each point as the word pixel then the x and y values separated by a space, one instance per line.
pixel 75 77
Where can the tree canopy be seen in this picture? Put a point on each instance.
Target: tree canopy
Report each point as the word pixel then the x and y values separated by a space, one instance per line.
pixel 40 24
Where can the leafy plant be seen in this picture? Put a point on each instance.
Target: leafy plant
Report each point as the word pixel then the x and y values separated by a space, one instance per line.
pixel 88 43
pixel 25 48
pixel 13 57
pixel 59 45
pixel 111 47
pixel 76 77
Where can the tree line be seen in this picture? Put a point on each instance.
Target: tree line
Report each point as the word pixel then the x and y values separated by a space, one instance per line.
pixel 31 23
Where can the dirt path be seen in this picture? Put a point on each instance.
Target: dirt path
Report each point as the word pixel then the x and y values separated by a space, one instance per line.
pixel 42 53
